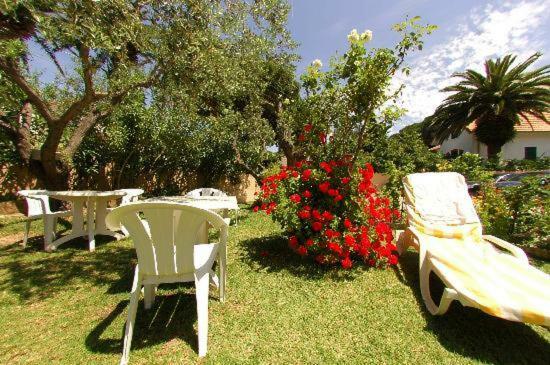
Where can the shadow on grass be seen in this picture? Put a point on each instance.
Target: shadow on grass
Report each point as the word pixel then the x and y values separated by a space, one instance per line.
pixel 272 254
pixel 172 316
pixel 472 333
pixel 33 274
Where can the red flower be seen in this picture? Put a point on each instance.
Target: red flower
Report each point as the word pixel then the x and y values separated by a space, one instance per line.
pixel 350 240
pixel 308 127
pixel 333 246
pixel 320 258
pixel 327 216
pixel 330 233
pixel 295 198
pixel 324 187
pixel 346 263
pixel 307 194
pixel 345 180
pixel 293 241
pixel 317 226
pixel 306 174
pixel 325 166
pixel 304 214
pixel 347 223
pixel 383 251
pixel 302 251
pixel 316 214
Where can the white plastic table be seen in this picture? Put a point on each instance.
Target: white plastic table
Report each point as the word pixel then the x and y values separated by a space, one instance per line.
pixel 205 202
pixel 213 203
pixel 96 211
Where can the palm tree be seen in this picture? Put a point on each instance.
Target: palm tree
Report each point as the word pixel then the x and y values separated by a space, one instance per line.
pixel 495 101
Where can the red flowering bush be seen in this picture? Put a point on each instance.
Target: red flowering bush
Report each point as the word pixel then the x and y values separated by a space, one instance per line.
pixel 330 210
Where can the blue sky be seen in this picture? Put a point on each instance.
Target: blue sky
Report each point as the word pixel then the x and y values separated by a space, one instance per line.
pixel 470 31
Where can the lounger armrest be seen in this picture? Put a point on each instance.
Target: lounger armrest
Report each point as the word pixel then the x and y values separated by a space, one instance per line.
pixel 516 251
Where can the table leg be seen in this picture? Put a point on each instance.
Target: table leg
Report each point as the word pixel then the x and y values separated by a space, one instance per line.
pixel 77 226
pixel 101 212
pixel 90 205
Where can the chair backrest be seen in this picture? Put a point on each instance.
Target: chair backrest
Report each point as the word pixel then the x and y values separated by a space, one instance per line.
pixel 37 204
pixel 165 236
pixel 197 193
pixel 439 198
pixel 131 195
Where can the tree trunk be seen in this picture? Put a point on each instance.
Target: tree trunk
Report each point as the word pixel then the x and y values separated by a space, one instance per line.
pixel 56 173
pixel 493 150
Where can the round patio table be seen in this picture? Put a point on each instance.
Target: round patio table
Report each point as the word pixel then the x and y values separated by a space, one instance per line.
pixel 96 211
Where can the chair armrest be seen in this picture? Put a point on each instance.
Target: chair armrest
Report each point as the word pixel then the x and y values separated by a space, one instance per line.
pixel 516 251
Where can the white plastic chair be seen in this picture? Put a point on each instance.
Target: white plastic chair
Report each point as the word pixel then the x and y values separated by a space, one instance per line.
pixel 172 246
pixel 197 193
pixel 130 196
pixel 38 206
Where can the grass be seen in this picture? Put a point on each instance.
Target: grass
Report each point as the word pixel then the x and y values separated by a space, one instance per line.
pixel 69 307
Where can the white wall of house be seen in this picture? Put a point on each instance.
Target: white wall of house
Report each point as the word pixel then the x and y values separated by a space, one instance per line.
pixel 465 141
pixel 514 149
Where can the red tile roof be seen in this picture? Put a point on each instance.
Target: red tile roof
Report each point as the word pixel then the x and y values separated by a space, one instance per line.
pixel 529 124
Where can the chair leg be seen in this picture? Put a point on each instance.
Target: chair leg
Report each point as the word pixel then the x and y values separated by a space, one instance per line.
pixel 202 280
pixel 149 292
pixel 54 227
pixel 448 295
pixel 131 319
pixel 27 229
pixel 48 232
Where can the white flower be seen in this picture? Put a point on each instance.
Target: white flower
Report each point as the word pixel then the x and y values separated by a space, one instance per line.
pixel 317 63
pixel 353 36
pixel 366 36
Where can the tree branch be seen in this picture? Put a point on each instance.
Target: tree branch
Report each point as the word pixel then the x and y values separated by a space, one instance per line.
pixel 76 138
pixel 87 69
pixel 89 93
pixel 7 127
pixel 11 69
pixel 243 164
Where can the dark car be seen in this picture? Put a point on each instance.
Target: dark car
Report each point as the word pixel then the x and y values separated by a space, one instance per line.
pixel 473 187
pixel 515 178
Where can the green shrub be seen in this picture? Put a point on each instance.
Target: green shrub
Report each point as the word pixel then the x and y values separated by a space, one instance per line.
pixel 529 213
pixel 519 214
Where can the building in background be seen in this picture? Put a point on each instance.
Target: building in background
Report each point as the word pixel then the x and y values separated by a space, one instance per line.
pixel 532 141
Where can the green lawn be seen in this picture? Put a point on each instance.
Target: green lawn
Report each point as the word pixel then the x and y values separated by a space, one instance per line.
pixel 69 307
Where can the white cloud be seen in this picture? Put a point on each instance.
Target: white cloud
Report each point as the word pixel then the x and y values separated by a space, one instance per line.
pixel 517 27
